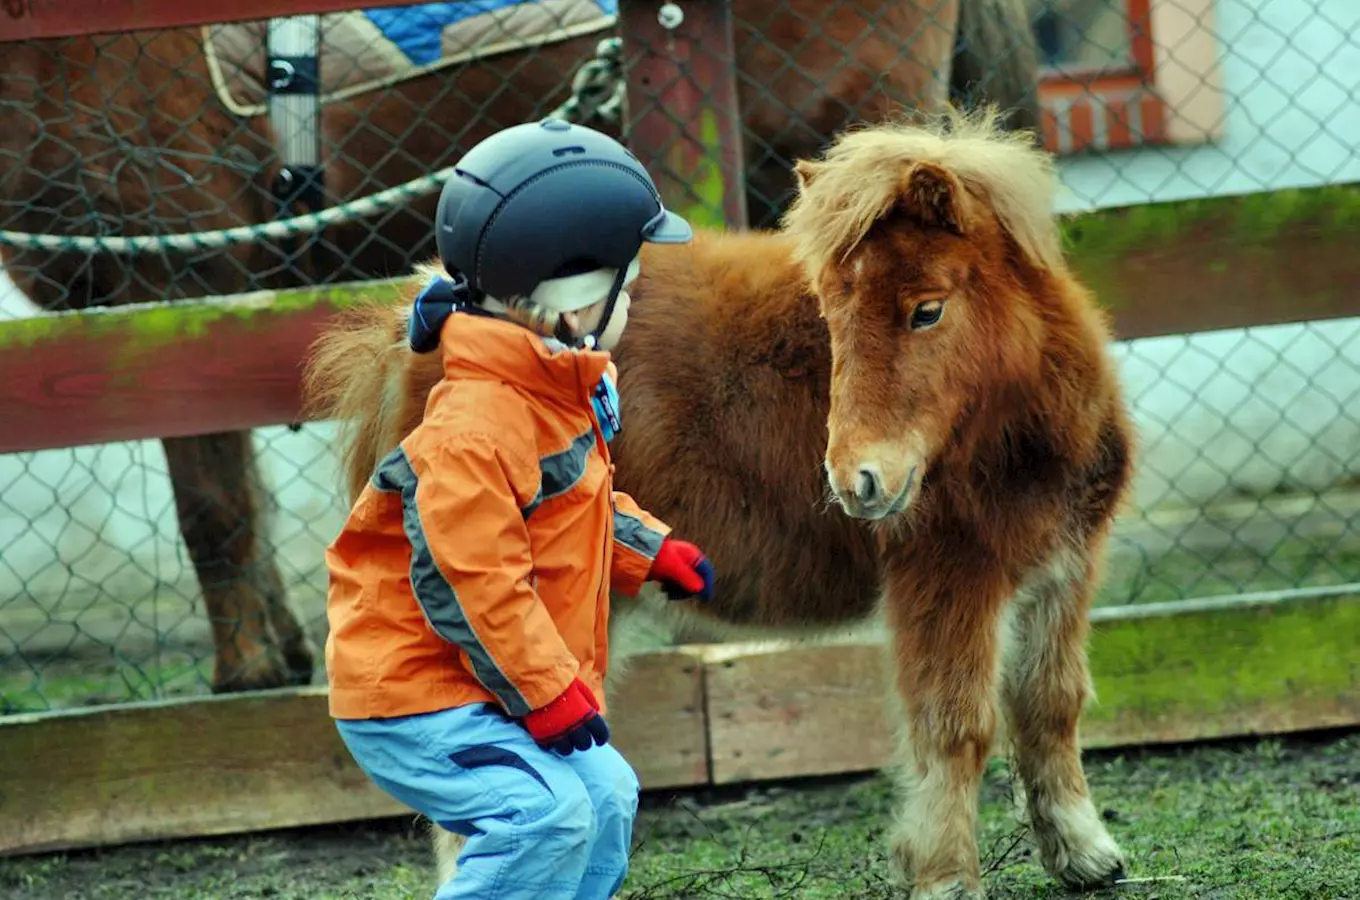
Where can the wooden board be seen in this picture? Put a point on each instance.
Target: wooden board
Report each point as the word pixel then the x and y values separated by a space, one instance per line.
pixel 30 20
pixel 1164 672
pixel 191 767
pixel 1223 262
pixel 216 365
pixel 691 716
pixel 658 720
pixel 273 759
pixel 160 370
pixel 684 118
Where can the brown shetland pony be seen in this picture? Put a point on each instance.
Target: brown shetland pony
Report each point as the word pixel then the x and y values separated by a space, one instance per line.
pixel 124 134
pixel 914 337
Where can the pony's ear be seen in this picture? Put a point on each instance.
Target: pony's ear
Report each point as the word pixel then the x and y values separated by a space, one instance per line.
pixel 931 194
pixel 805 170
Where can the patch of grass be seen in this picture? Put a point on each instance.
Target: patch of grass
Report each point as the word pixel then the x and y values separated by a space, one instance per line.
pixel 1262 820
pixel 63 683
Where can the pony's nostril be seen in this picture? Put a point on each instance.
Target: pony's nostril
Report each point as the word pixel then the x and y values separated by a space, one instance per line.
pixel 868 488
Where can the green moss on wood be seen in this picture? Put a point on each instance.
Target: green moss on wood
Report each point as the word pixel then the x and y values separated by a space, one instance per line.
pixel 1218 663
pixel 1099 242
pixel 1255 218
pixel 148 326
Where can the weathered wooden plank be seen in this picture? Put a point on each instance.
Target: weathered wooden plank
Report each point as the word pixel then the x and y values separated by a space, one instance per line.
pixel 263 760
pixel 1164 672
pixel 659 721
pixel 685 123
pixel 30 20
pixel 160 370
pixel 778 711
pixel 215 365
pixel 194 767
pixel 1223 262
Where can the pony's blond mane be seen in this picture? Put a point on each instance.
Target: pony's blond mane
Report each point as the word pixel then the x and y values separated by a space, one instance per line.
pixel 859 179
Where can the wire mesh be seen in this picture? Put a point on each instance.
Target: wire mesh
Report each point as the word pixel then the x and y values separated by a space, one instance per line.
pixel 1250 462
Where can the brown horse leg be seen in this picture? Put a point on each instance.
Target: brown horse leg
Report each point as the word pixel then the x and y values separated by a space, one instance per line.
pixel 946 643
pixel 1046 682
pixel 220 504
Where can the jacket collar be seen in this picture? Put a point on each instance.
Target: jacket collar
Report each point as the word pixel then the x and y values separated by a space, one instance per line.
pixel 485 347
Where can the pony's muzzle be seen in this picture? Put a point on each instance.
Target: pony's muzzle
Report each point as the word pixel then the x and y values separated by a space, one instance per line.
pixel 867 495
pixel 868 486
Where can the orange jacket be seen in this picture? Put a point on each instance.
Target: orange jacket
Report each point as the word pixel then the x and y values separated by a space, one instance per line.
pixel 476 565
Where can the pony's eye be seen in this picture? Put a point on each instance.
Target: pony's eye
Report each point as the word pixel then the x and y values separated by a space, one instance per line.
pixel 927 314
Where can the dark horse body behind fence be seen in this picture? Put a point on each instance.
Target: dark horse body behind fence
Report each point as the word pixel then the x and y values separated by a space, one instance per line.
pixel 125 134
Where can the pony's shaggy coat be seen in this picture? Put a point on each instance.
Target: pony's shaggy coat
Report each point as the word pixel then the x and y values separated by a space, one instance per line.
pixel 757 364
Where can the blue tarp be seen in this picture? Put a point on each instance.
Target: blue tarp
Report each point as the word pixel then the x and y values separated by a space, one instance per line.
pixel 417 30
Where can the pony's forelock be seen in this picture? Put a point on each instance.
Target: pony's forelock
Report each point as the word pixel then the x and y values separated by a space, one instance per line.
pixel 858 181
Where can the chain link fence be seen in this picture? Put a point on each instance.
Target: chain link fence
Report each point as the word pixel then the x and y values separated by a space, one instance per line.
pixel 1250 472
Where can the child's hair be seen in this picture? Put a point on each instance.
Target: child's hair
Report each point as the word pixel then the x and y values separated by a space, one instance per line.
pixel 520 310
pixel 580 291
pixel 523 311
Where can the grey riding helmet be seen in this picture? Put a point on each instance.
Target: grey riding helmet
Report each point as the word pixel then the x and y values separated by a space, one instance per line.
pixel 548 200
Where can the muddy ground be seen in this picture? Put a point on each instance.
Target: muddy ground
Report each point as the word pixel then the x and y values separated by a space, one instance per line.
pixel 1251 820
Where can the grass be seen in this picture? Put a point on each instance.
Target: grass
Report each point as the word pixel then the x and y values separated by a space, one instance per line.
pixel 1255 820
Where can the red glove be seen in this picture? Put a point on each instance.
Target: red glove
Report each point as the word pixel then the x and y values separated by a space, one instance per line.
pixel 572 721
pixel 682 570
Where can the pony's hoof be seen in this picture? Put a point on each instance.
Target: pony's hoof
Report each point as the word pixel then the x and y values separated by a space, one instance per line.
pixel 1096 866
pixel 1076 849
pixel 952 890
pixel 265 670
pixel 1077 880
pixel 300 661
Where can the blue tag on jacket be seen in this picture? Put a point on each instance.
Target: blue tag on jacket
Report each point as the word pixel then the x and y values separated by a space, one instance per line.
pixel 605 399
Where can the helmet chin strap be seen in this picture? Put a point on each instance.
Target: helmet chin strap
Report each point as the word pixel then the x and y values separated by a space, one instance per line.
pixel 591 340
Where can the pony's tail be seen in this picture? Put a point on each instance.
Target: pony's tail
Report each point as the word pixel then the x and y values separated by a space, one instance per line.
pixel 996 61
pixel 357 373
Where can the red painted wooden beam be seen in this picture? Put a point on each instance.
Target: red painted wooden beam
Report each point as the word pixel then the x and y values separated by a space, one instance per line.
pixel 160 370
pixel 684 121
pixel 30 20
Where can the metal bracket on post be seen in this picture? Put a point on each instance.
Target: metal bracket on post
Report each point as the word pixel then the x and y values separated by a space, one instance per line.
pixel 293 78
pixel 683 121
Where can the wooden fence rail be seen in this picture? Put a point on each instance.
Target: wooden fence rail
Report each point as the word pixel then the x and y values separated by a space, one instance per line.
pixel 688 717
pixel 234 362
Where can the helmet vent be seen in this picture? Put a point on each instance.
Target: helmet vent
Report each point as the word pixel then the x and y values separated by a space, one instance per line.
pixel 563 151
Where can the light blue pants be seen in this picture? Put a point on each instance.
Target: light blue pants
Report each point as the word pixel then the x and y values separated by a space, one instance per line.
pixel 539 826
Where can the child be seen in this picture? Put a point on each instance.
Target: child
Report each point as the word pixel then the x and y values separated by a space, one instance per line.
pixel 469 594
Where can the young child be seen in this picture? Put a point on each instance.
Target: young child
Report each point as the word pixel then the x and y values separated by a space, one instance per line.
pixel 469 592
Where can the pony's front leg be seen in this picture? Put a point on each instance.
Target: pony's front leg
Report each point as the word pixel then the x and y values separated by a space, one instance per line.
pixel 1045 684
pixel 946 651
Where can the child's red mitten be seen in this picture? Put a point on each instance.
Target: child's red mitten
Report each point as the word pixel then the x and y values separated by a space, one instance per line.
pixel 682 570
pixel 571 722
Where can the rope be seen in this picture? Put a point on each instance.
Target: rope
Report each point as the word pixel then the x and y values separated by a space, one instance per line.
pixel 597 91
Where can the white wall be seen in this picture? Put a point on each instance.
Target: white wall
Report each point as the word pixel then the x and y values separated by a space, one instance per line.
pixel 1291 79
pixel 1245 410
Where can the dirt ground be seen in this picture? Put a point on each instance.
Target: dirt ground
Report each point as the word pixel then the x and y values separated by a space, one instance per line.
pixel 1236 821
